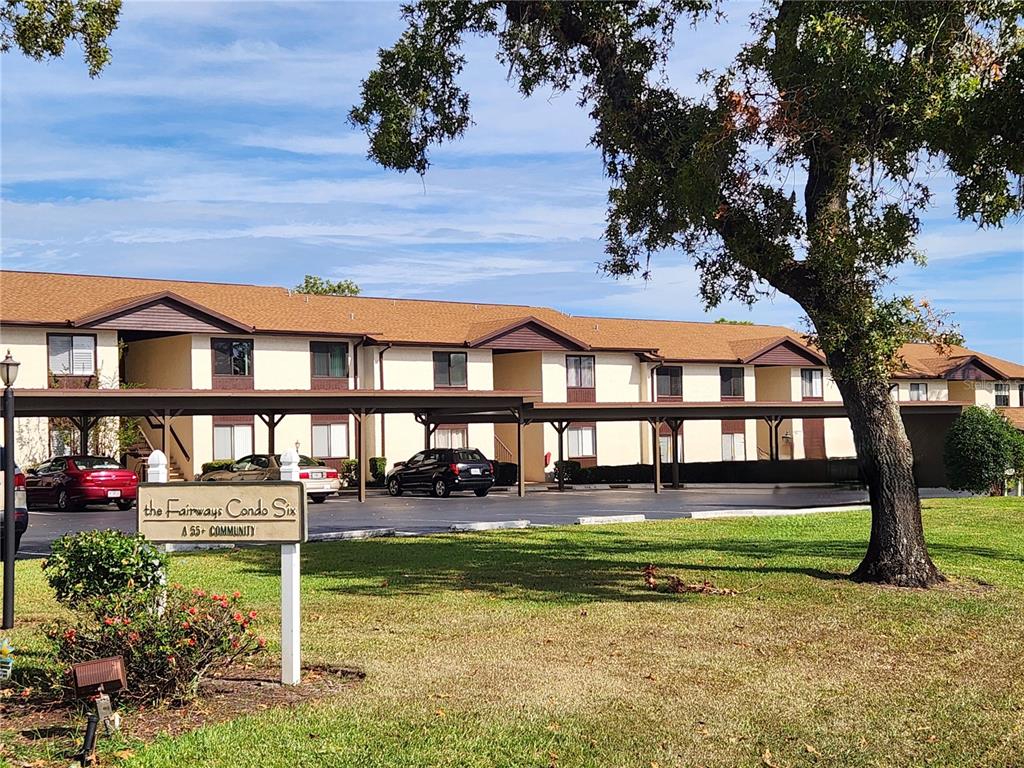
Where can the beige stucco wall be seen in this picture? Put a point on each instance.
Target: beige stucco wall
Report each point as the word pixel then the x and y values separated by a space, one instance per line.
pixel 938 389
pixel 521 371
pixel 28 347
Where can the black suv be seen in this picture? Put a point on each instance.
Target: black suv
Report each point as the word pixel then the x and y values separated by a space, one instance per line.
pixel 441 471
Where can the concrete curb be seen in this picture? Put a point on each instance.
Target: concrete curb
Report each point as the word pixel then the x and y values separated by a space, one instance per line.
pixel 712 514
pixel 495 525
pixel 609 519
pixel 366 533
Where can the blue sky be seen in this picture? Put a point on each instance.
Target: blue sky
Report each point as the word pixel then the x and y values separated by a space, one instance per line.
pixel 215 147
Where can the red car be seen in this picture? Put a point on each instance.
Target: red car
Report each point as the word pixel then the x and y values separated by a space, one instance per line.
pixel 71 482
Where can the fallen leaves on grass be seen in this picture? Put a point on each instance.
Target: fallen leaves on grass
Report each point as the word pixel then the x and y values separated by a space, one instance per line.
pixel 676 585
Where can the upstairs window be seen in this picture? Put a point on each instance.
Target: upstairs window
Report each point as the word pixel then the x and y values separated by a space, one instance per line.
pixel 811 381
pixel 330 360
pixel 894 392
pixel 918 391
pixel 669 381
pixel 72 355
pixel 1002 395
pixel 232 357
pixel 732 383
pixel 579 371
pixel 450 369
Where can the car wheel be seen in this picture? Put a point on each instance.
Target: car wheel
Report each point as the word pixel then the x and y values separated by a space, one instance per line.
pixel 124 504
pixel 17 541
pixel 64 502
pixel 394 487
pixel 318 498
pixel 440 488
pixel 481 491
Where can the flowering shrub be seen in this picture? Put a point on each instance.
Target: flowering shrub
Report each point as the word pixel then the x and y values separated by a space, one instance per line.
pixel 166 653
pixel 90 564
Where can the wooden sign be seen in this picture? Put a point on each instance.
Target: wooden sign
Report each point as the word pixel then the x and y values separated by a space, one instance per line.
pixel 223 512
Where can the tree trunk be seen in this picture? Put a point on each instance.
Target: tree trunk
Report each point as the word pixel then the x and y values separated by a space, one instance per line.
pixel 897 553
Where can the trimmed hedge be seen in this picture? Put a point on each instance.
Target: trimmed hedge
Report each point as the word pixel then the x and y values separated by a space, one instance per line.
pixel 506 473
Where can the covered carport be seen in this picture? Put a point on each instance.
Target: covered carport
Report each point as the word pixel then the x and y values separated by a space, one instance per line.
pixel 431 407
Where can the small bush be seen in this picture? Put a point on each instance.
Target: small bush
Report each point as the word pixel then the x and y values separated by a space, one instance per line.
pixel 505 473
pixel 981 446
pixel 93 564
pixel 569 470
pixel 347 472
pixel 166 652
pixel 378 469
pixel 213 466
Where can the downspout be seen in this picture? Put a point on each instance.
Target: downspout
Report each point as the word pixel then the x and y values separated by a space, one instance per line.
pixel 380 365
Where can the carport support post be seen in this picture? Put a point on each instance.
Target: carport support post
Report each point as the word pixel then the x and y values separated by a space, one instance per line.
pixel 675 425
pixel 83 434
pixel 361 468
pixel 656 431
pixel 520 474
pixel 291 644
pixel 560 427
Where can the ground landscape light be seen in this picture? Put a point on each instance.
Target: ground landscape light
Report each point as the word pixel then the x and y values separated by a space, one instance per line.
pixel 9 370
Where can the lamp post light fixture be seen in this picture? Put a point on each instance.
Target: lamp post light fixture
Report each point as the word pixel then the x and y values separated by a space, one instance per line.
pixel 8 374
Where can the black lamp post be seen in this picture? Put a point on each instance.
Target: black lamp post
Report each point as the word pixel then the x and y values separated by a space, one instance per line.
pixel 8 374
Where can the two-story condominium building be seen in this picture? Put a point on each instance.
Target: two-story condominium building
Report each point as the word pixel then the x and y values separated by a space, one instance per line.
pixel 78 331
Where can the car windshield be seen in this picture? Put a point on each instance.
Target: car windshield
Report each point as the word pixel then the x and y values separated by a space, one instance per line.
pixel 471 455
pixel 95 462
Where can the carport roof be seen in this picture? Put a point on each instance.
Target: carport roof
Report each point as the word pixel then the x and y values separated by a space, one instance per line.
pixel 483 406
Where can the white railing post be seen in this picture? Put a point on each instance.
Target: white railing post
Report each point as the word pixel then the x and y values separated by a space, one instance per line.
pixel 291 671
pixel 156 467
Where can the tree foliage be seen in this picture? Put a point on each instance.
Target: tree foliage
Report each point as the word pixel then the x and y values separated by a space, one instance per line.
pixel 323 287
pixel 42 28
pixel 863 100
pixel 980 447
pixel 803 168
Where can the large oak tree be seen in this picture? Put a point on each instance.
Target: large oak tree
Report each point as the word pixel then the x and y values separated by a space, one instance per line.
pixel 864 103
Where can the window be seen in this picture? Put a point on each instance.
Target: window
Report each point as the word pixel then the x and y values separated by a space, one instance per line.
pixel 1020 395
pixel 732 383
pixel 811 383
pixel 72 355
pixel 330 441
pixel 232 357
pixel 451 436
pixel 1002 395
pixel 449 369
pixel 582 441
pixel 918 391
pixel 665 446
pixel 230 440
pixel 330 360
pixel 669 381
pixel 894 392
pixel 733 448
pixel 470 456
pixel 579 371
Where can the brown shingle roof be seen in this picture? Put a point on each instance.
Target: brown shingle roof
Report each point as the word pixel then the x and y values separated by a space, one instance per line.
pixel 1014 415
pixel 47 298
pixel 923 360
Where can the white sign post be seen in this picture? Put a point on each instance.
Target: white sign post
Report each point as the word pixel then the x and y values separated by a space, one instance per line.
pixel 235 512
pixel 291 651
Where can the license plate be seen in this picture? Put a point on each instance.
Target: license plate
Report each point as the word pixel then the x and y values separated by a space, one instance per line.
pixel 475 471
pixel 113 494
pixel 316 475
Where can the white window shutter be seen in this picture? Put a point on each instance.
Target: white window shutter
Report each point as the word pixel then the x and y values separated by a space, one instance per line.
pixel 83 356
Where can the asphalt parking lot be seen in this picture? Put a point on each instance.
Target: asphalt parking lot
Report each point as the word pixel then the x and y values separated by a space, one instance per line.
pixel 424 514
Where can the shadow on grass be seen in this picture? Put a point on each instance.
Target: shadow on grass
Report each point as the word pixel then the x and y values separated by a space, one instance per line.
pixel 558 566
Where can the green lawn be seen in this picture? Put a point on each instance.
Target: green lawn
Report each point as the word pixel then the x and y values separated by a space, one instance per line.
pixel 542 648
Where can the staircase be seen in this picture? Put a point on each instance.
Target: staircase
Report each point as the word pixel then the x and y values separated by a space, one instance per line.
pixel 137 456
pixel 502 452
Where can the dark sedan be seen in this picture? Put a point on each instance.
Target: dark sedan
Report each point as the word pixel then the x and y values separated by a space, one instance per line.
pixel 71 482
pixel 441 471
